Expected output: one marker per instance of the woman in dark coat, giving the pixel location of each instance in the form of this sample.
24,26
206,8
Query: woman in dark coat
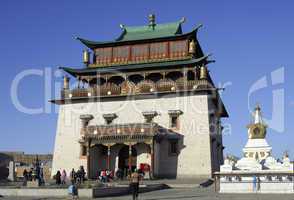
58,178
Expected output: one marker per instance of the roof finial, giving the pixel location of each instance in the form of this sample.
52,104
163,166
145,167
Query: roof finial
183,20
286,155
152,20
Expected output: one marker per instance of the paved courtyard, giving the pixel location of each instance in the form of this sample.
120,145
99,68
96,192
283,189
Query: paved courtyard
185,194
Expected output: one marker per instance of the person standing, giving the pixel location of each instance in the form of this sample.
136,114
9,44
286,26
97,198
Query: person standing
41,176
82,174
30,175
58,177
254,183
63,177
134,184
103,176
25,177
73,176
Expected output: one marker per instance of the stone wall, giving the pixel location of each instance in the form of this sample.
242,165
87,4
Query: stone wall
21,157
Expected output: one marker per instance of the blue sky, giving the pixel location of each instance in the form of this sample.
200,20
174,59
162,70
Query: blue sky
248,39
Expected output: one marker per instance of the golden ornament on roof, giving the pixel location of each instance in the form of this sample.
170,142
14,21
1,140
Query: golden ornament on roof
192,47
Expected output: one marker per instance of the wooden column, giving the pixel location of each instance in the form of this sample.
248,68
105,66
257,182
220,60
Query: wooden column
130,156
88,158
108,159
108,156
185,75
152,159
79,81
195,73
151,145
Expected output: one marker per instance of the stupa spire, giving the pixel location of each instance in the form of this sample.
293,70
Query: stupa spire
257,115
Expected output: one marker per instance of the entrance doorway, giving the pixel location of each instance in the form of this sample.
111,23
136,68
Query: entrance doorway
123,159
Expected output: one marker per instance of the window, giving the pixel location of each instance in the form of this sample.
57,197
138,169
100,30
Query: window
174,118
178,48
140,52
109,117
173,147
149,115
174,122
158,50
103,55
83,150
121,54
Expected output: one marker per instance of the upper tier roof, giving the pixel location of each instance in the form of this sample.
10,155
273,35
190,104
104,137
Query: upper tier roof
148,32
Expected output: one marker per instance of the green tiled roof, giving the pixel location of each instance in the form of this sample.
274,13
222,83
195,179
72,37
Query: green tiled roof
150,32
135,33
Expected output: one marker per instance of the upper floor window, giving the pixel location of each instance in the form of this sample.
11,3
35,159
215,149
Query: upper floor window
174,122
140,52
174,118
178,48
121,54
158,50
103,55
149,115
109,117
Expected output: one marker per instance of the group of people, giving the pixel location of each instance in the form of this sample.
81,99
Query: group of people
134,177
76,177
105,176
33,175
60,178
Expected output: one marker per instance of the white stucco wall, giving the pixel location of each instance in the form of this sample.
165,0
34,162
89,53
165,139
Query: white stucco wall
194,158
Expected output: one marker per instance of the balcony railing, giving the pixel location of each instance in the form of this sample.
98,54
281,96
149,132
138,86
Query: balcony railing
128,88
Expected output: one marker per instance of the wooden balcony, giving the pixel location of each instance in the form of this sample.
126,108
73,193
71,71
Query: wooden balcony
129,88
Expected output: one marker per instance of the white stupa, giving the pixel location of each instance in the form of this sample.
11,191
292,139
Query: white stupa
257,153
256,148
257,170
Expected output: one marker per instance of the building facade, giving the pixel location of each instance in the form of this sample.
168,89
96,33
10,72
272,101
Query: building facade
143,99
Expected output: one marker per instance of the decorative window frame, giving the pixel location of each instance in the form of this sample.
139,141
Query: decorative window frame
149,115
109,117
172,114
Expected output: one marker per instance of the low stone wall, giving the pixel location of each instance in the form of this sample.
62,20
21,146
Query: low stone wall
42,192
247,185
83,192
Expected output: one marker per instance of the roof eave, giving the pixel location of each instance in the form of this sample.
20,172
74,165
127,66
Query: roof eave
139,66
94,44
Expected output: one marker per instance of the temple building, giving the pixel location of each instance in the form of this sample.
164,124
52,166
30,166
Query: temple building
144,99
